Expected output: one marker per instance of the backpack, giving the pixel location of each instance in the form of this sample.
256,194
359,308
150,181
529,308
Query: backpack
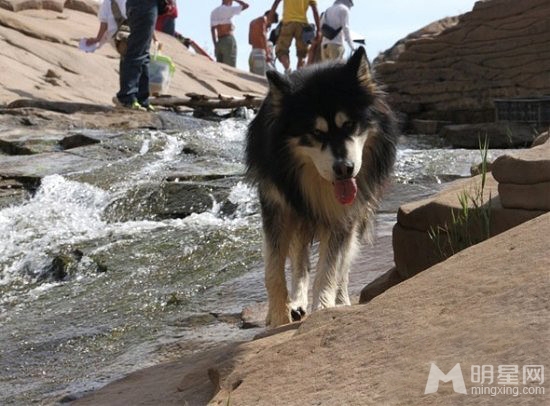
122,33
275,32
329,32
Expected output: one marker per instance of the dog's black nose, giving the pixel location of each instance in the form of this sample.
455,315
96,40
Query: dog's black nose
343,168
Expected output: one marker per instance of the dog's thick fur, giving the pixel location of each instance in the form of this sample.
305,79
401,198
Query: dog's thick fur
319,150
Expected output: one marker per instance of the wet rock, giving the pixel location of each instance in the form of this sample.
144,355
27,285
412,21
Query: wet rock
58,106
143,202
12,192
27,141
57,271
254,316
199,319
45,164
77,140
499,135
182,198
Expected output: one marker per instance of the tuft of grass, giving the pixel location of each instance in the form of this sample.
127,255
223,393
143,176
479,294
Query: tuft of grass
470,224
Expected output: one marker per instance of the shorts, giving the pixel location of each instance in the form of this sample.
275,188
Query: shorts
289,31
226,50
257,61
331,51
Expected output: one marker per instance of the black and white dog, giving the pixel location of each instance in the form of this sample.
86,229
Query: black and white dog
319,151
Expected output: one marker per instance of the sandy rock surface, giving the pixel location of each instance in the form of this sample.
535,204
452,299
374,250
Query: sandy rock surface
484,306
40,59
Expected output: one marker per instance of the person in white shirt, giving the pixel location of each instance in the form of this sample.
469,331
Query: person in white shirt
337,17
221,26
108,21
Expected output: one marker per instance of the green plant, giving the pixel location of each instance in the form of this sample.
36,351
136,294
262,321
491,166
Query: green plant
471,223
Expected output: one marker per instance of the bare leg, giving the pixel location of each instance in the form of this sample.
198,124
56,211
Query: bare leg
285,61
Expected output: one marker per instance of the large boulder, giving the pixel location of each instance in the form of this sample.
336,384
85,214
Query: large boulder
498,50
429,230
524,178
86,6
478,308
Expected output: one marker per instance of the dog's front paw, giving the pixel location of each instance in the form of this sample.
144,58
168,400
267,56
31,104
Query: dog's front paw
278,317
297,314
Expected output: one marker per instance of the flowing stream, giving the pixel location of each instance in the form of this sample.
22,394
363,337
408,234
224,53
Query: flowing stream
101,273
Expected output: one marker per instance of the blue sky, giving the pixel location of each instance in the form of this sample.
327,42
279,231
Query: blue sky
381,22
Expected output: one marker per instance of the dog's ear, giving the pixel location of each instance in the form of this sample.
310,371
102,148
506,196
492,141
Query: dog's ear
279,86
360,66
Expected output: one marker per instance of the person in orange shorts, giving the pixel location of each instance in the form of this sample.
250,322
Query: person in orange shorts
294,27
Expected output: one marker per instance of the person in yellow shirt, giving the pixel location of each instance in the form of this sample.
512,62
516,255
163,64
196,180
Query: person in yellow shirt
296,27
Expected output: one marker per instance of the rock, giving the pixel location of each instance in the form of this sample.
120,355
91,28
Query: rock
20,5
429,127
85,6
77,140
182,198
524,178
38,42
254,316
457,71
61,107
478,168
528,166
380,285
477,308
415,222
541,139
44,164
12,192
27,141
499,135
52,74
428,31
528,197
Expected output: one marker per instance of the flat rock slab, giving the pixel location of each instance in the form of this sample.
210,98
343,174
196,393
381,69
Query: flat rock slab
525,167
27,141
42,165
499,135
485,306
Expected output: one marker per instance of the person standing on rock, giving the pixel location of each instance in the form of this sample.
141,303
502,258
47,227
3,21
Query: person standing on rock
166,22
260,56
134,66
294,23
112,13
221,26
335,28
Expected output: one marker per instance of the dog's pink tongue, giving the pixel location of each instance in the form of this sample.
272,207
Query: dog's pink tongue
345,190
